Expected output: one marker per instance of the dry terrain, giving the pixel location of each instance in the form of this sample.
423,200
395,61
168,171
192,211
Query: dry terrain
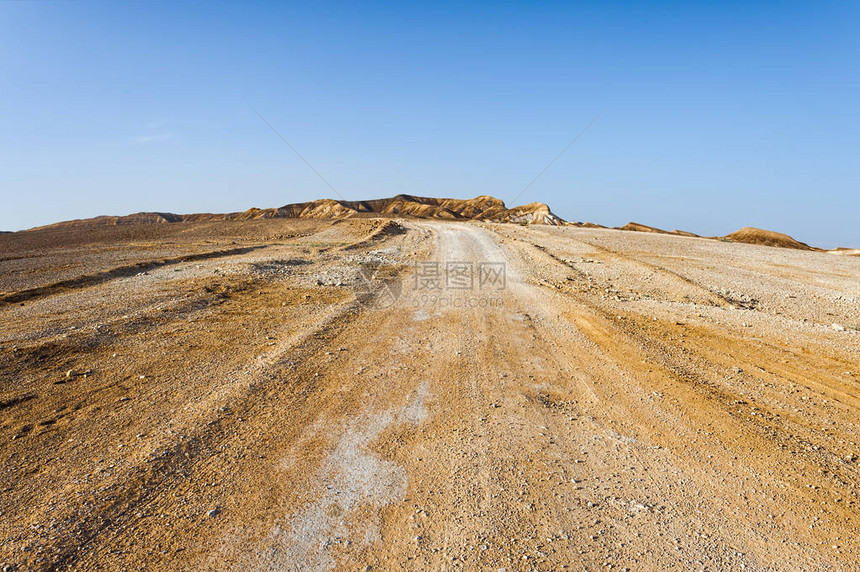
297,394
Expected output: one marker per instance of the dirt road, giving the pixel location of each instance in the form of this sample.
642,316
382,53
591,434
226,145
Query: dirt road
439,396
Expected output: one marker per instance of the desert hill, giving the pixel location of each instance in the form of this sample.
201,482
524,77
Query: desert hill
585,224
635,226
752,235
484,208
747,235
845,251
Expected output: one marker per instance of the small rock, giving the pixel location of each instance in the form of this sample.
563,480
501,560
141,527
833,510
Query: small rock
838,327
214,512
850,457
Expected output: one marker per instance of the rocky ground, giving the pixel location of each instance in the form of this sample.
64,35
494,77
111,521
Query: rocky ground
375,394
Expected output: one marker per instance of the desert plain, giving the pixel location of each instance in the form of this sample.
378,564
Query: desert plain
405,394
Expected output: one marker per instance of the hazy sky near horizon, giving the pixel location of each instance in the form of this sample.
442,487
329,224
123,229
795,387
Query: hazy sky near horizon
718,115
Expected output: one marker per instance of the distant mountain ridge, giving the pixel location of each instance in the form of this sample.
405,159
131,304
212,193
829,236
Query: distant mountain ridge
484,207
747,235
481,208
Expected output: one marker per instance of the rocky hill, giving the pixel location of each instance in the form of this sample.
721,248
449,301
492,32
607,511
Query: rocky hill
484,208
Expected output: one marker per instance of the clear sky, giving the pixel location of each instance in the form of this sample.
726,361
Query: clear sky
717,114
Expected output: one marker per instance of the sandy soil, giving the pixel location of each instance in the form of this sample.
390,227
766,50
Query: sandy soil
292,395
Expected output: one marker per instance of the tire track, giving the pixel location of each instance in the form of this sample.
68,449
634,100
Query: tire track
115,273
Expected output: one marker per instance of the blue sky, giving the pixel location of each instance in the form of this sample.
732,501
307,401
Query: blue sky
717,114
